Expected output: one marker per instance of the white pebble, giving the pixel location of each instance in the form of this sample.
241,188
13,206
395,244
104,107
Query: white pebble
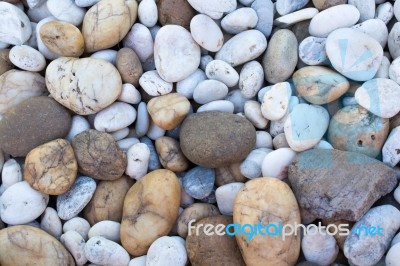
222,71
239,20
115,117
390,154
125,144
153,84
366,8
66,10
393,256
130,94
27,58
102,251
275,103
205,59
15,25
384,12
138,161
138,261
186,87
252,111
212,8
108,55
120,134
251,166
155,131
78,125
206,33
319,247
51,223
106,229
11,173
166,251
220,105
75,244
226,195
210,90
375,28
143,120
251,79
263,140
139,39
276,163
148,13
38,13
238,99
79,225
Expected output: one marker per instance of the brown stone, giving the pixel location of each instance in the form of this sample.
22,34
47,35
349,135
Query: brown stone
5,63
229,174
170,154
178,12
129,66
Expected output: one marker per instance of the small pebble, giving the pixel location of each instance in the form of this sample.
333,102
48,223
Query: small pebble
75,244
11,173
210,90
167,251
199,182
275,102
115,117
319,247
102,251
138,156
106,229
222,71
27,58
206,33
77,224
276,163
153,84
241,19
51,223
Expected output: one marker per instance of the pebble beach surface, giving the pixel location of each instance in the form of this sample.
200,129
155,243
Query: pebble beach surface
131,129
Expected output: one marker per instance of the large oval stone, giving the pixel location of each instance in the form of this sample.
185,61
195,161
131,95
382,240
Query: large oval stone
216,139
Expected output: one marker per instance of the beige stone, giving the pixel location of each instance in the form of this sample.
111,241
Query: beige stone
170,154
129,66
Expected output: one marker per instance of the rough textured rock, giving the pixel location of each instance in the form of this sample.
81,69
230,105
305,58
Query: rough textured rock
31,123
98,155
216,139
333,184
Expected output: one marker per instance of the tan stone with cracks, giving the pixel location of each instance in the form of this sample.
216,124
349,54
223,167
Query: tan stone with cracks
170,154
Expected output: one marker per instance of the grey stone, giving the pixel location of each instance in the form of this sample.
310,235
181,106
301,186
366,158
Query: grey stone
199,182
154,161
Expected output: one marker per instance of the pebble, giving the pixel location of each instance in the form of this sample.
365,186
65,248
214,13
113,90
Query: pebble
67,78
217,106
168,111
324,4
252,111
129,66
22,204
295,17
351,185
263,140
125,144
363,249
66,10
394,70
71,203
312,51
323,144
97,21
280,141
213,9
305,126
106,229
102,251
199,182
210,90
98,155
284,7
250,43
204,60
336,17
5,63
178,12
38,13
75,244
226,195
320,85
155,131
138,261
154,85
251,79
148,13
51,223
206,33
78,125
392,257
375,28
275,103
357,65
77,224
276,163
282,206
143,120
281,57
154,161
319,247
86,3
241,19
384,12
237,99
107,54
265,12
366,8
393,41
115,117
396,9
167,251
222,71
154,199
138,156
353,128
27,58
187,86
170,154
139,39
16,27
41,46
11,173
251,166
130,94
390,149
380,97
176,54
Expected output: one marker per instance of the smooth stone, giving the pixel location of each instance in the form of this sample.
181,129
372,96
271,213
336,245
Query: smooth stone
384,12
284,7
139,39
324,4
11,173
380,97
154,85
265,13
222,71
241,19
275,102
106,229
319,247
280,142
323,144
277,127
252,111
22,128
129,66
86,3
178,12
295,17
187,86
361,55
130,94
154,161
38,13
251,79
213,9
351,181
75,244
176,54
199,182
98,19
336,17
5,63
366,8
115,117
320,85
276,163
155,131
148,13
242,48
51,223
396,238
215,133
364,249
167,251
68,82
120,134
17,86
226,195
217,106
392,257
354,129
74,200
282,207
138,157
52,177
170,154
251,166
79,225
105,252
142,121
391,148
396,9
312,51
393,41
204,60
22,204
281,57
108,55
27,58
98,155
66,10
206,33
32,41
78,125
375,28
41,47
34,3
263,140
125,144
16,27
305,126
210,90
237,99
394,70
